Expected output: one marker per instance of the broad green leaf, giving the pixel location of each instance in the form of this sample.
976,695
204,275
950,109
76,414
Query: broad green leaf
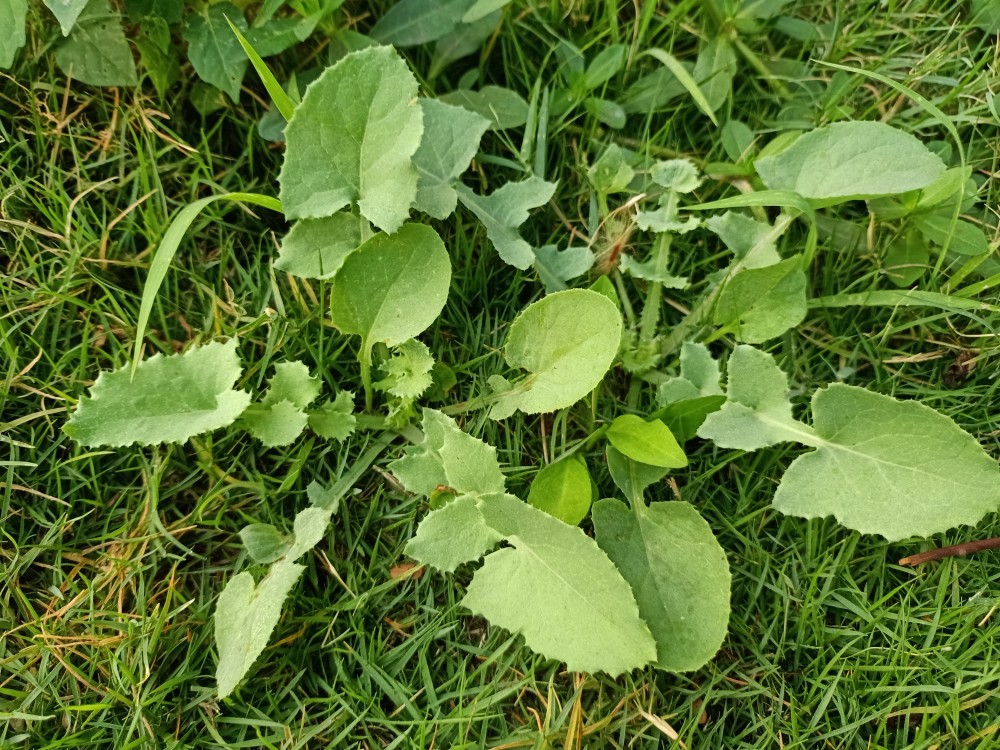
97,53
335,419
714,70
264,543
678,573
292,382
610,113
309,530
986,15
316,248
276,424
604,66
555,267
648,271
158,54
452,535
679,175
170,11
451,138
906,259
463,40
448,457
66,12
965,239
170,399
566,341
758,304
502,107
504,210
275,36
752,242
555,587
699,376
214,51
737,139
683,418
13,16
564,490
654,92
482,8
882,466
408,371
851,160
351,140
649,443
412,22
245,616
391,288
757,413
632,477
610,173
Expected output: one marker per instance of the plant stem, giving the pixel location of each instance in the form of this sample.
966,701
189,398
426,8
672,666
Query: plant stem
365,359
955,550
651,306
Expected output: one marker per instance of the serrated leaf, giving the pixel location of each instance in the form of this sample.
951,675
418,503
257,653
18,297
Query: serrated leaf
245,616
502,107
851,160
264,543
649,443
13,16
563,490
752,242
214,51
66,12
758,304
648,271
555,587
450,140
632,477
351,140
699,376
412,22
316,248
504,210
566,341
679,175
448,457
335,419
292,382
452,535
276,424
678,573
664,219
610,173
170,399
408,371
96,52
555,267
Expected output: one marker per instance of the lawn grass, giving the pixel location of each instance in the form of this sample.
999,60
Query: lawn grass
112,559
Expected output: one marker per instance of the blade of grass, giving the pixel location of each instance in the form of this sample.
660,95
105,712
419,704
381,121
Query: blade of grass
686,80
281,100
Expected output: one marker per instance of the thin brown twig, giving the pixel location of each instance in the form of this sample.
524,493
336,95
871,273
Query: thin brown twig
955,550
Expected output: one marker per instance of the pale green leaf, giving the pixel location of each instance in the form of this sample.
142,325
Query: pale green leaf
610,173
649,443
851,160
632,477
66,12
555,267
699,376
567,342
679,175
555,587
758,304
292,382
276,424
678,573
170,399
752,242
882,466
316,248
412,22
351,140
504,210
664,219
96,52
245,616
452,535
408,372
450,140
214,51
502,107
264,543
563,489
310,528
648,271
335,419
448,457
13,16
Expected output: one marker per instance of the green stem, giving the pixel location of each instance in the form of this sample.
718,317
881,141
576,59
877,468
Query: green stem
651,306
365,359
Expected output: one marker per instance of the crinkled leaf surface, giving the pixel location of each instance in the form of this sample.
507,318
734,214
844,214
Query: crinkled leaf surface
335,419
504,210
450,140
758,304
678,573
13,15
555,267
170,400
412,22
96,52
851,160
563,489
555,587
66,12
408,371
316,248
452,535
566,341
351,140
213,49
649,443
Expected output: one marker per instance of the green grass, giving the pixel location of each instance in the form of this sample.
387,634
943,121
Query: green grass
111,560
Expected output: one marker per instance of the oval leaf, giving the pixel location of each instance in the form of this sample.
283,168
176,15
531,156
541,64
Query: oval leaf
649,443
564,490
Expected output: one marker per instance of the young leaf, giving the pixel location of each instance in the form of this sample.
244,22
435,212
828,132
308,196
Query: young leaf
752,242
555,267
678,573
556,588
714,70
699,376
412,22
906,259
66,12
632,477
851,160
502,107
158,54
610,173
649,443
451,138
277,424
316,248
604,66
264,543
567,341
563,490
448,457
13,16
335,419
648,271
408,371
97,53
679,175
309,530
452,535
170,399
351,140
758,304
215,53
292,382
504,210
245,615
